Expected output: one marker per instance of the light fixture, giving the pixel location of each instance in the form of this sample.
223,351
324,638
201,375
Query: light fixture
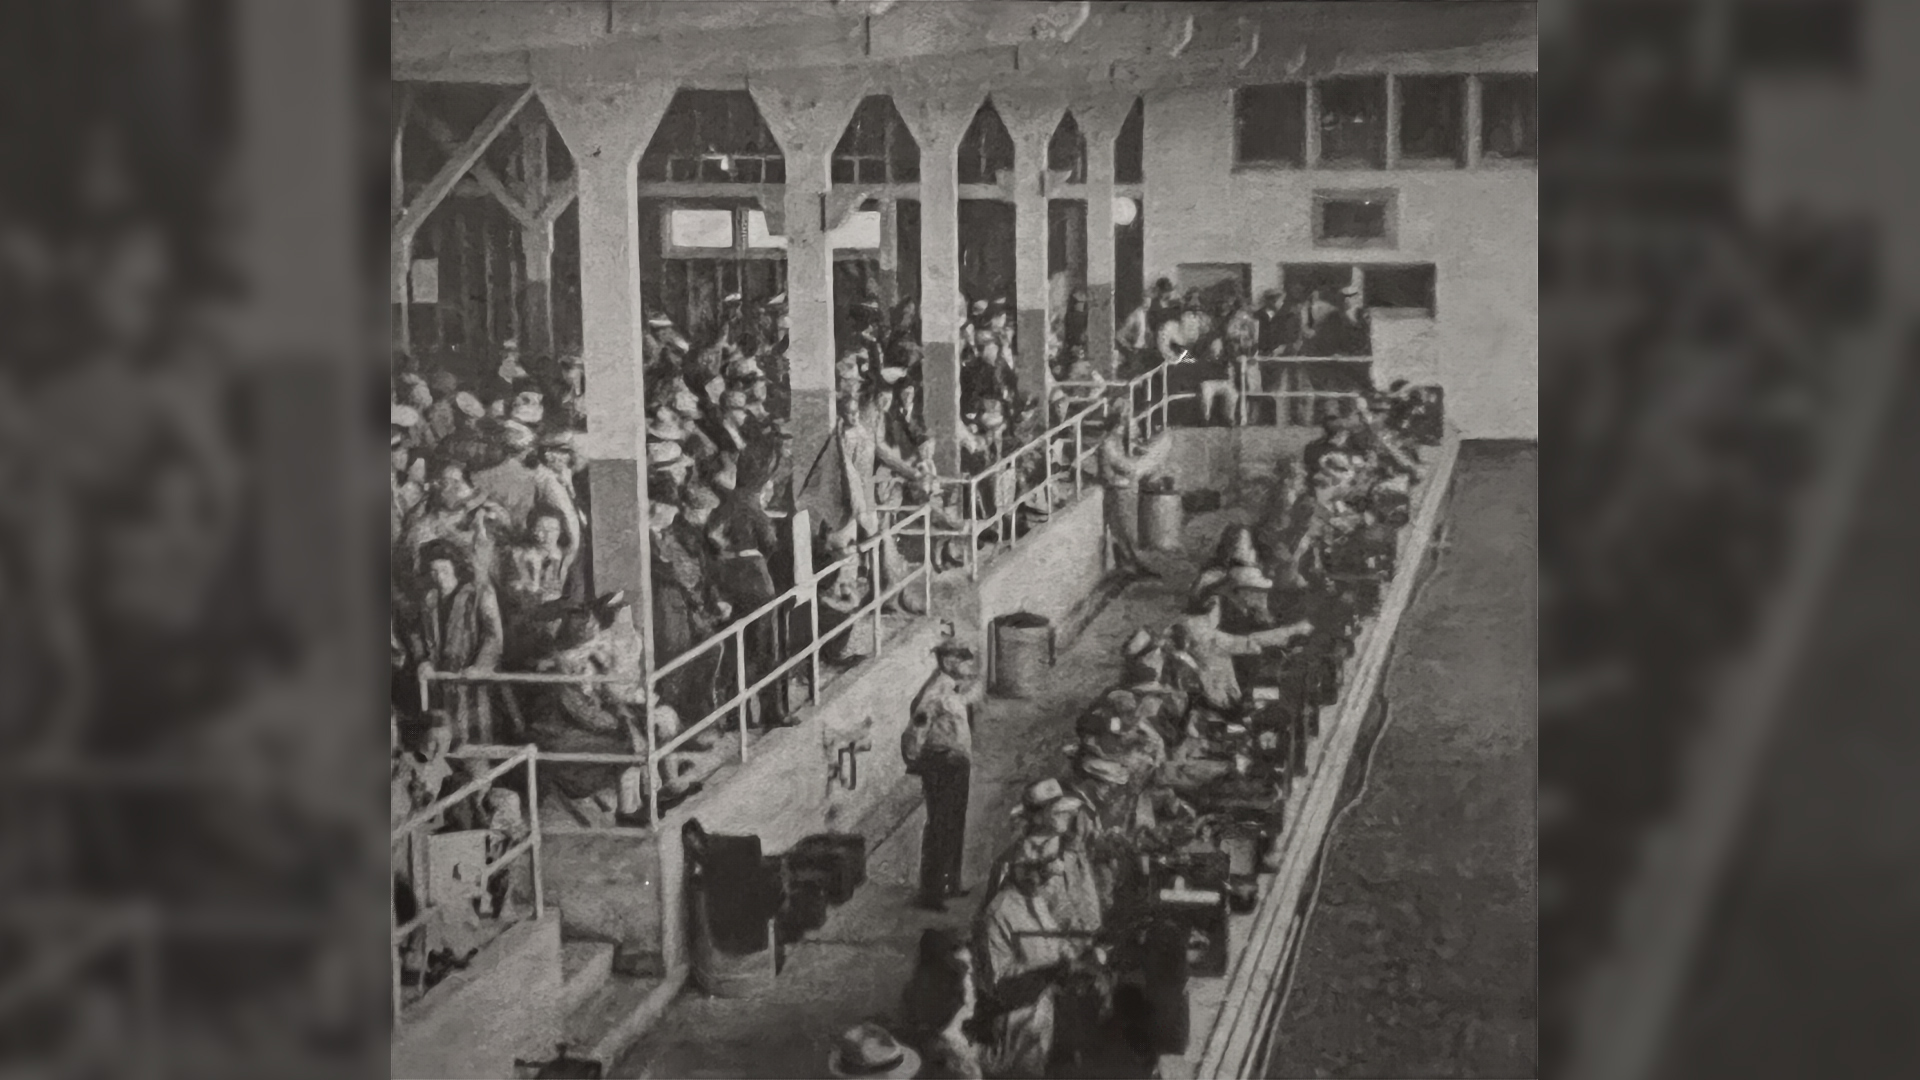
1124,211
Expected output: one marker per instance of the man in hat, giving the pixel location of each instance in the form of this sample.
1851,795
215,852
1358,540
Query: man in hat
1197,635
407,475
662,347
1162,705
1116,469
507,477
732,319
1275,326
455,512
938,747
1048,809
1025,955
553,485
441,416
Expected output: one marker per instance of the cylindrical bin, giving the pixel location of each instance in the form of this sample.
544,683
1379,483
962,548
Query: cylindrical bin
1023,646
1161,520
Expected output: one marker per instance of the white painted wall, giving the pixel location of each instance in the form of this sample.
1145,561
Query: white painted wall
1479,227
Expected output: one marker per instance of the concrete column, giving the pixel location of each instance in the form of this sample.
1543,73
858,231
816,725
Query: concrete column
1393,122
1031,120
807,116
1473,121
606,128
937,123
1100,123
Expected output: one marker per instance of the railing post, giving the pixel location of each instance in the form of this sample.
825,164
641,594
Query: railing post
926,565
973,528
425,690
653,761
1079,422
813,641
740,683
879,590
533,823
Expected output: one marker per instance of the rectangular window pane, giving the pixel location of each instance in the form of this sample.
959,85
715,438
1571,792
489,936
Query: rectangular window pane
1510,117
1353,122
1353,217
701,228
757,234
1271,122
1400,287
860,232
1433,118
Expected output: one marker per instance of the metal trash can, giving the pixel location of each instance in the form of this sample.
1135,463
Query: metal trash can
1161,519
1022,652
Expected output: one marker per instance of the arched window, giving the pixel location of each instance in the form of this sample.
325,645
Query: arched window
713,136
986,149
877,148
1067,151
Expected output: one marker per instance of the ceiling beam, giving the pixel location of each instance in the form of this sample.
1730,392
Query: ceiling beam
1118,45
482,173
459,164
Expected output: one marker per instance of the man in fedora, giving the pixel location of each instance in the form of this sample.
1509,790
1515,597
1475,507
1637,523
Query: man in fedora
1048,809
938,747
1162,705
1117,468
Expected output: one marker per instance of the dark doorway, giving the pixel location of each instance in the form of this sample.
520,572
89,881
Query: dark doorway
986,250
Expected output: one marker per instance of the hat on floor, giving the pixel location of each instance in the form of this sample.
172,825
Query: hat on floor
869,1050
1043,795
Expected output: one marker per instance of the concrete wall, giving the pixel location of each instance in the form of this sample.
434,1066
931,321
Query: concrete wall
1479,227
474,1023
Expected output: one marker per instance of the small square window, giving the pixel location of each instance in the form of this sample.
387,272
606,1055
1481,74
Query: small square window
1353,218
1398,288
701,228
1433,119
1270,124
1510,117
1353,122
860,232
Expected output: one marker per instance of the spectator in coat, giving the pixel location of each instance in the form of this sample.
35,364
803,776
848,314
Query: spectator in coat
458,626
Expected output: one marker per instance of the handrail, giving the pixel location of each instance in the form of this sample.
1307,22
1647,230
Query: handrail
407,831
1148,419
805,592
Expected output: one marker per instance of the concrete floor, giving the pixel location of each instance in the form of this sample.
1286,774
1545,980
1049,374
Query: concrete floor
854,967
1420,958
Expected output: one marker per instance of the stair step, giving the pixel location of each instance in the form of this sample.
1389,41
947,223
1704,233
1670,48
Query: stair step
604,1025
584,969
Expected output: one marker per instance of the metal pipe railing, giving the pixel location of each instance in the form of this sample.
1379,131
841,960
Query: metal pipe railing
869,552
408,832
1147,394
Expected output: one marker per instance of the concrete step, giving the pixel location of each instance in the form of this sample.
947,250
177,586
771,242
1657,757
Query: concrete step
604,1025
584,969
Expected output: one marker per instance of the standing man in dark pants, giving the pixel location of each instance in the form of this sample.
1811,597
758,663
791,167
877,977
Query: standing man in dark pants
1117,471
938,747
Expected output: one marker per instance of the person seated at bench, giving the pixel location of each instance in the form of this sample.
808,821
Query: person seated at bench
1025,955
1161,704
1210,650
1047,809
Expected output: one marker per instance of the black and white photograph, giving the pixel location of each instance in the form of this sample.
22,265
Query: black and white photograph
965,539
